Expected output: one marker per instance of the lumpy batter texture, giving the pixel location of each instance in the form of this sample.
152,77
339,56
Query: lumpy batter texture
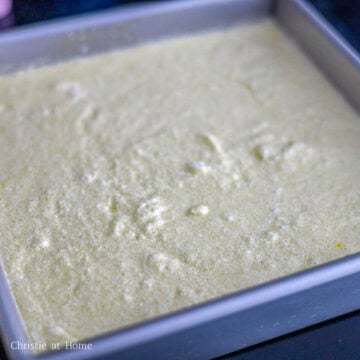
143,181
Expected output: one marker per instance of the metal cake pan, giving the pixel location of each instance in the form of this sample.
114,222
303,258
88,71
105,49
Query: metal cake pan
243,318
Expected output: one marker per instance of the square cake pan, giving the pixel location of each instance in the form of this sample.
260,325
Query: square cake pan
243,318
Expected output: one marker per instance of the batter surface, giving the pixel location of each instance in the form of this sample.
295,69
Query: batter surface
143,181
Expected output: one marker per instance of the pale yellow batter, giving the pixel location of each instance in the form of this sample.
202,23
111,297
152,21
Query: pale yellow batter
143,181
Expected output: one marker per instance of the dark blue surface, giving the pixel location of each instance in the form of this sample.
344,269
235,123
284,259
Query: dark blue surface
30,11
344,15
338,339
